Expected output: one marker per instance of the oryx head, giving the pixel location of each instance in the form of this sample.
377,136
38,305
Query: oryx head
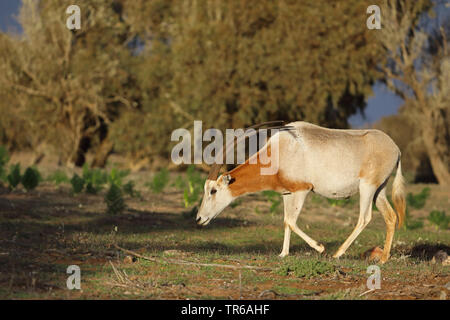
217,194
217,197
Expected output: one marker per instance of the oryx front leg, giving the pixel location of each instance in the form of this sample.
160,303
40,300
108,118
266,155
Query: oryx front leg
293,204
366,194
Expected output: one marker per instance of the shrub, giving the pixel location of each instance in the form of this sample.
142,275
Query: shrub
417,201
128,189
116,176
192,186
14,177
114,200
77,183
439,219
94,179
159,181
31,178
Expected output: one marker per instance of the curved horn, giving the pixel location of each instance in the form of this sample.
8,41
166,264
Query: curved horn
215,168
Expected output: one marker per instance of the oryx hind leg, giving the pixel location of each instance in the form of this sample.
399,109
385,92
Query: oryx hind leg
293,204
390,217
366,194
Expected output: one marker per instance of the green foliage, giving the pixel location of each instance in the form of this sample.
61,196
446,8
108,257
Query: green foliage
417,201
77,183
31,178
439,219
274,198
304,268
192,186
159,181
14,177
114,200
116,176
4,158
128,188
58,177
94,179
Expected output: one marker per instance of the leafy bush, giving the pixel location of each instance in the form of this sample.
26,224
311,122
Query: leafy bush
116,176
192,186
4,158
159,181
114,200
58,177
128,188
417,201
31,178
14,177
77,183
94,179
274,198
439,219
305,268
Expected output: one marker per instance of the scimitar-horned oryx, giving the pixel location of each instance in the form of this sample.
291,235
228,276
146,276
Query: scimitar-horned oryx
330,162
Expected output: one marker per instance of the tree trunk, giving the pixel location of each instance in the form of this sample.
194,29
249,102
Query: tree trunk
102,154
436,137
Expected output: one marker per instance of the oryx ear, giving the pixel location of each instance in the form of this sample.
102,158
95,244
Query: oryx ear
227,179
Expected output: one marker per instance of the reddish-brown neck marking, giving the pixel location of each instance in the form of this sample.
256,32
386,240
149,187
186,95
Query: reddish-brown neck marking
248,178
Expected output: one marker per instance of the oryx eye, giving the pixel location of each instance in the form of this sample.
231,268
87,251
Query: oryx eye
213,191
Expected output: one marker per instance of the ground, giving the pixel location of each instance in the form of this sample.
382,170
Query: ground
44,231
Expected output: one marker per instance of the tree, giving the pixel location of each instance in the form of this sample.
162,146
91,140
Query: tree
418,70
235,63
66,87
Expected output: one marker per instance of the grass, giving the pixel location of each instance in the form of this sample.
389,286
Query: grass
46,233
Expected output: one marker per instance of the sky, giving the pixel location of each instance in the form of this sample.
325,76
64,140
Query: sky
381,103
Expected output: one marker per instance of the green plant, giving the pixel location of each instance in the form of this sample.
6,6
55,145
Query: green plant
159,181
77,183
305,268
31,178
116,176
128,188
4,158
114,200
439,219
193,187
58,177
94,179
274,198
417,201
190,195
14,177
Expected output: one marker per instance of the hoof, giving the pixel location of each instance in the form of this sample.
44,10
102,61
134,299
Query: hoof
322,249
282,255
